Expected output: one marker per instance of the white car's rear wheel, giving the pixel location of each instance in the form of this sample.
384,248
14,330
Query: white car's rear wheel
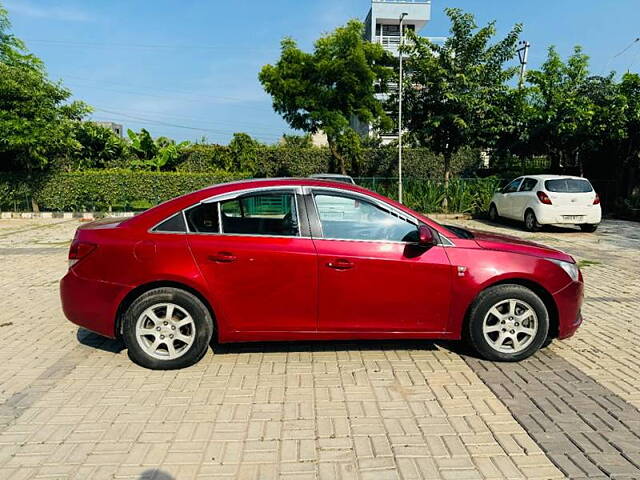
530,221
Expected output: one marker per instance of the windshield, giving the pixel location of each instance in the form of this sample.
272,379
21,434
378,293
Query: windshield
568,185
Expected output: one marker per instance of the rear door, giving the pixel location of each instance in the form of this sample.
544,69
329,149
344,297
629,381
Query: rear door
522,198
258,259
372,276
504,201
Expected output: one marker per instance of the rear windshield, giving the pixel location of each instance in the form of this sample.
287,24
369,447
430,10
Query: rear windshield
568,185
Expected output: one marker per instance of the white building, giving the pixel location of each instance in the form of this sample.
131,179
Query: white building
383,26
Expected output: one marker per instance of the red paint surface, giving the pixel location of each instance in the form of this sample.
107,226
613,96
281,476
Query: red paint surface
279,288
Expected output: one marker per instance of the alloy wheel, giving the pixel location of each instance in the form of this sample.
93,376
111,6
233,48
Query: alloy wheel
165,331
510,326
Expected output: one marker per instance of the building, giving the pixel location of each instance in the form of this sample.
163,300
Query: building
383,26
116,128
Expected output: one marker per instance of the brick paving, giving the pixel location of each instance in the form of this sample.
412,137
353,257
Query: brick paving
72,405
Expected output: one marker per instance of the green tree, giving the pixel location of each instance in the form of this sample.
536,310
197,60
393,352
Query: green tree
36,119
325,90
98,146
562,113
456,91
153,154
244,152
297,141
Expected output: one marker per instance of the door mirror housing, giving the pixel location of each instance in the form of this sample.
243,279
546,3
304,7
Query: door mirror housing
425,236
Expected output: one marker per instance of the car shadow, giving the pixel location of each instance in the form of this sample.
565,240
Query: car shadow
514,224
313,346
155,474
93,340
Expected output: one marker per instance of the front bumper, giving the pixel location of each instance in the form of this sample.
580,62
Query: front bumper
569,302
91,304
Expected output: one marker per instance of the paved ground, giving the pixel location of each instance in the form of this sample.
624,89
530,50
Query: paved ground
72,405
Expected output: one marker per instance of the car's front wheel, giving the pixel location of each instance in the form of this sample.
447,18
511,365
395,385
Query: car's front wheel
507,323
167,329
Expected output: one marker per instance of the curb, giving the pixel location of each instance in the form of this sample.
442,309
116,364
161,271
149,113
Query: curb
65,215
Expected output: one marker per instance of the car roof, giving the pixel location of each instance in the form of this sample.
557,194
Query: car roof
328,175
552,177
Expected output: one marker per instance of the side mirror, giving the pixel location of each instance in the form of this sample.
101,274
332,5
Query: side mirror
425,236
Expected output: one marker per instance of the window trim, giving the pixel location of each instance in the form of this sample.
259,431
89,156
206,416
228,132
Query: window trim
218,199
520,179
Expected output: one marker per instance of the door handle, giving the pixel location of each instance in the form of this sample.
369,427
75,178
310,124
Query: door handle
340,264
223,257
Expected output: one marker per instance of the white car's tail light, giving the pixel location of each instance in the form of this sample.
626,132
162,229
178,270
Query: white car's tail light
596,201
79,250
544,198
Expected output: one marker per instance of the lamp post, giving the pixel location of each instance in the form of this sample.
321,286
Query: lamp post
400,84
523,56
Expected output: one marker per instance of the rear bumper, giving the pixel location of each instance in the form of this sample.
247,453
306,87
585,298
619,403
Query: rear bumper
569,302
554,215
91,304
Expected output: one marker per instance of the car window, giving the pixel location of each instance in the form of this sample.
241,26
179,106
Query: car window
346,218
513,186
174,224
568,185
528,184
261,214
203,218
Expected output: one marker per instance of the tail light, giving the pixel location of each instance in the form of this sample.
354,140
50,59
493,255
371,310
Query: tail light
79,250
544,198
596,201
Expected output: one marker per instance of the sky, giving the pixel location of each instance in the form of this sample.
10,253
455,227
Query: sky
189,69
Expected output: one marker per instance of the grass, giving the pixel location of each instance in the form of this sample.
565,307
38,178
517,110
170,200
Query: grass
587,263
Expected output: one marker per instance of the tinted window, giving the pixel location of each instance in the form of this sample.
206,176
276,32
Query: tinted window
528,184
203,218
264,214
174,224
512,187
568,185
346,218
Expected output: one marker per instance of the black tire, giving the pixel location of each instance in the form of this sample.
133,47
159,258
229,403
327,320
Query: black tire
202,324
473,333
530,221
588,228
494,216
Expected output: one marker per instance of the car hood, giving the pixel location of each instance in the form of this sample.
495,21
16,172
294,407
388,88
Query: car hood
508,243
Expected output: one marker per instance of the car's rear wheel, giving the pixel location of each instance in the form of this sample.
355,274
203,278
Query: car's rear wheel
507,323
493,213
167,328
588,228
531,222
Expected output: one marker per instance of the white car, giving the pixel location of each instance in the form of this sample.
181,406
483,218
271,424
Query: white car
548,200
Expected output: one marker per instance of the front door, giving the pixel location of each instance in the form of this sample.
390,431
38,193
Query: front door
261,272
505,201
372,277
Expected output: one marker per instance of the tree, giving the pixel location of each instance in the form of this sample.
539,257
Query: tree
98,146
562,117
36,119
297,141
155,155
244,152
325,90
455,92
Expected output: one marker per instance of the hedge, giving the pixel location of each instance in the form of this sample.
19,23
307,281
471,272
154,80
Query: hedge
101,190
107,190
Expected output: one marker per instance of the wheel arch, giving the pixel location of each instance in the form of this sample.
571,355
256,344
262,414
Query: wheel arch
536,288
139,290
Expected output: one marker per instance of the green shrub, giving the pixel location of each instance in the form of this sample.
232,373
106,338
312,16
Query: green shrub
102,190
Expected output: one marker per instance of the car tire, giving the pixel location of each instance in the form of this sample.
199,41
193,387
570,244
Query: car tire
530,221
588,228
525,327
494,216
167,329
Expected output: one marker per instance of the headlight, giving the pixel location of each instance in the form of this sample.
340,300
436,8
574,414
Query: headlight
571,268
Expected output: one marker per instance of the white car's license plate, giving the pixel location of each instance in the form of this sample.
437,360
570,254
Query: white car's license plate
573,217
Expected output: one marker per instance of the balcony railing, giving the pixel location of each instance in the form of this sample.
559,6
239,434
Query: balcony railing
401,1
392,41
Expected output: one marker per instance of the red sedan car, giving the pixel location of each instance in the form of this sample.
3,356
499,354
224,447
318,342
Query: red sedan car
296,259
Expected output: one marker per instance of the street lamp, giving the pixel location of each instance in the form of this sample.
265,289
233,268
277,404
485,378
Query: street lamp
400,84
